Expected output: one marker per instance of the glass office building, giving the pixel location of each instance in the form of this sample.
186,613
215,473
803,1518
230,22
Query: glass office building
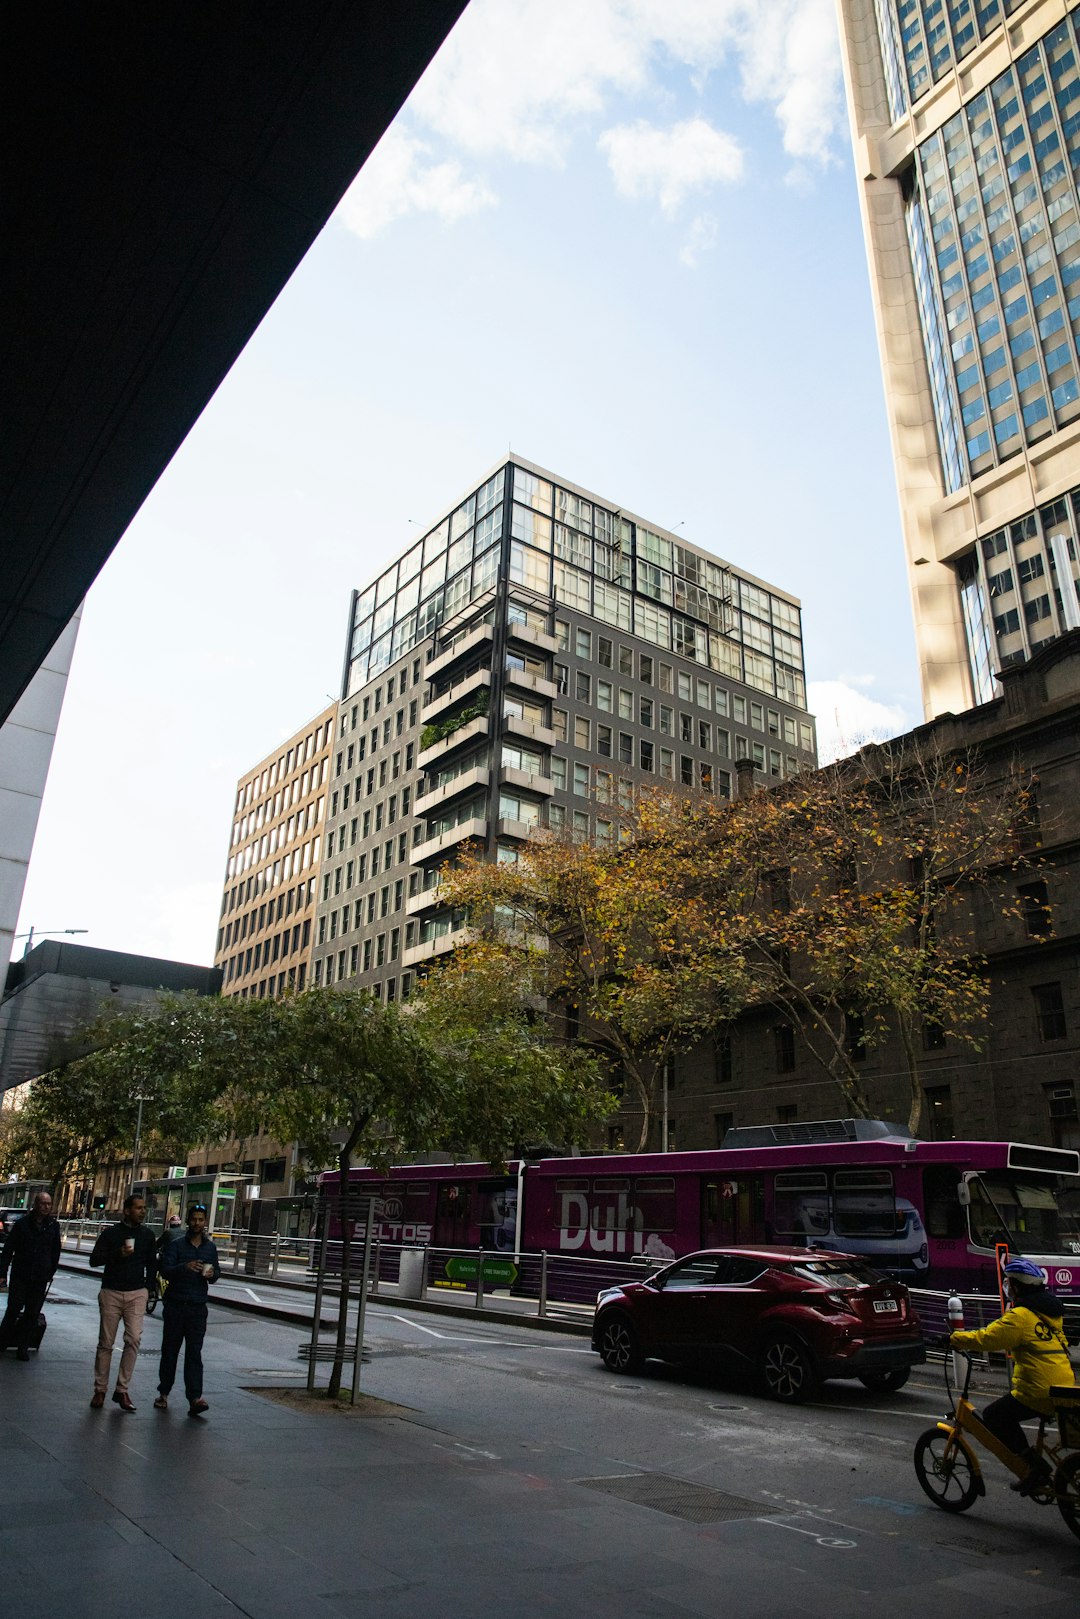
530,662
966,119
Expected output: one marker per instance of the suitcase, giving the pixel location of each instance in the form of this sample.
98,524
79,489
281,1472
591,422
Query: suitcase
34,1340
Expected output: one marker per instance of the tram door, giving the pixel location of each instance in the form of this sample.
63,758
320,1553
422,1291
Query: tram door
732,1211
452,1215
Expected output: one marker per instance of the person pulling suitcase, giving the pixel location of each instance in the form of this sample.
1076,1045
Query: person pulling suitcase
31,1253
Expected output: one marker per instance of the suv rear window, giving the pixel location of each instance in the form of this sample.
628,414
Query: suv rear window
836,1272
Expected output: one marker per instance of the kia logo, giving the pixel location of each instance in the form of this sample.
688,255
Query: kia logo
1063,1277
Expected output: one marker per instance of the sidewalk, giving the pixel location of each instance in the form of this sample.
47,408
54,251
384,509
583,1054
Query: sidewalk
257,1510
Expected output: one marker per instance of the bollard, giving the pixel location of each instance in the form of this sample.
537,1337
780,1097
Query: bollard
480,1278
956,1324
275,1252
375,1270
542,1306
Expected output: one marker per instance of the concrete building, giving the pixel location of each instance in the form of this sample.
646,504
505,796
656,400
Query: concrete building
266,931
1022,1085
966,128
526,664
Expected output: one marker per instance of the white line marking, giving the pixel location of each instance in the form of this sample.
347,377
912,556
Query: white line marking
823,1540
254,1295
405,1321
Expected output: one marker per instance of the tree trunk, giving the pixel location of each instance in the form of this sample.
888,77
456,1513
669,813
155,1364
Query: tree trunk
344,1167
916,1110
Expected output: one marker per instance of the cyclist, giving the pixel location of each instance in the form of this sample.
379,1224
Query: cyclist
1032,1331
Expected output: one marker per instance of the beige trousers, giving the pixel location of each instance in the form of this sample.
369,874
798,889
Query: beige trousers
116,1307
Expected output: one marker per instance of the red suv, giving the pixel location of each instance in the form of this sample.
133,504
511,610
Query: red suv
792,1316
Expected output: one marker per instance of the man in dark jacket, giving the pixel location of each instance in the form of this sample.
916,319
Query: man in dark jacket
129,1254
189,1264
32,1251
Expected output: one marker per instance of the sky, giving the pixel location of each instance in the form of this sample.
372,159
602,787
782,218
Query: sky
620,237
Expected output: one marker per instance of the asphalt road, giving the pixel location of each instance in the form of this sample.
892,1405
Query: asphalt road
824,1495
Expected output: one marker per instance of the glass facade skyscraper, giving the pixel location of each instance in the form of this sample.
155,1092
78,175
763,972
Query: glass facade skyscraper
966,121
530,662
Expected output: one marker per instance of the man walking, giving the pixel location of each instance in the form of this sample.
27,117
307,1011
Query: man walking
189,1264
128,1253
32,1251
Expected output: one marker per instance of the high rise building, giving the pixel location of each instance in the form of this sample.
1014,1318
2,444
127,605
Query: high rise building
266,926
965,119
266,930
529,662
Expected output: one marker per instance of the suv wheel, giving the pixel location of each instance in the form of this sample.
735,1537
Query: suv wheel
620,1350
787,1371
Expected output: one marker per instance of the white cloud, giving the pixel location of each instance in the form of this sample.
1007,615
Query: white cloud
396,181
701,237
518,80
666,165
847,718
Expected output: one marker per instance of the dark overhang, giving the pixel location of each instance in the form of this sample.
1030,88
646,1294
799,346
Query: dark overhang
58,989
167,163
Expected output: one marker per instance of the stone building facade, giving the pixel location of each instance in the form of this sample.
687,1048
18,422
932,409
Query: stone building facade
1023,1084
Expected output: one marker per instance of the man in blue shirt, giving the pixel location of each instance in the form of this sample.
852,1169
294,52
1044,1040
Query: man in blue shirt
189,1264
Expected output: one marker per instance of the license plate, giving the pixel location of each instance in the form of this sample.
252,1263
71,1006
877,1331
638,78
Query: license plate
885,1306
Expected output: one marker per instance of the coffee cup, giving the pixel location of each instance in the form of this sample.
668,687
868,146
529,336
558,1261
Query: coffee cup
129,1247
208,1271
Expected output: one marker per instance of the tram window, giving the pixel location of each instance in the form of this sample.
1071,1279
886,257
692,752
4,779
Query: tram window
801,1204
609,1206
863,1203
654,1202
943,1213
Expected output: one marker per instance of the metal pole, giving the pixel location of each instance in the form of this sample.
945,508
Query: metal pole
138,1140
542,1307
361,1308
375,1269
479,1278
319,1280
664,1118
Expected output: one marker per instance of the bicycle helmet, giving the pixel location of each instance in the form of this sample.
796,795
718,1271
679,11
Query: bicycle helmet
1025,1272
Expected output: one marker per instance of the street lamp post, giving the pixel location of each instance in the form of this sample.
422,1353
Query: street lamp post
43,933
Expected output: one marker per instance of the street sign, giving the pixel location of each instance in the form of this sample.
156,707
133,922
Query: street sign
497,1272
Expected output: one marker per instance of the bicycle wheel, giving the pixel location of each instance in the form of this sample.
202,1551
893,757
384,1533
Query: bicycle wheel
951,1482
1067,1489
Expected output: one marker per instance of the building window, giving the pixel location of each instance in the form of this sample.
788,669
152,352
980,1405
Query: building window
1049,1011
1061,1105
784,1040
939,1113
1035,910
722,1123
855,1036
725,1066
933,1036
787,1113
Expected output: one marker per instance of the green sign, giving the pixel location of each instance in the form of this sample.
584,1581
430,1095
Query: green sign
497,1272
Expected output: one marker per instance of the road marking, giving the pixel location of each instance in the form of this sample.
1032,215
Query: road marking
494,1343
254,1295
829,1541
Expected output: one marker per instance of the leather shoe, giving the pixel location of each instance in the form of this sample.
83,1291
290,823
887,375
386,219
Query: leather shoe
123,1400
96,1401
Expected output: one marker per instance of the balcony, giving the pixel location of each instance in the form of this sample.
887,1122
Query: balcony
462,644
447,745
525,680
511,776
467,685
426,900
529,731
526,635
522,830
468,781
476,828
437,947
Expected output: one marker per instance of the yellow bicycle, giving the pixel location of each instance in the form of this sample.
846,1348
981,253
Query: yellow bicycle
947,1466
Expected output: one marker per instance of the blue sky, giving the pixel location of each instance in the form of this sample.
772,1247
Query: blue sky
620,236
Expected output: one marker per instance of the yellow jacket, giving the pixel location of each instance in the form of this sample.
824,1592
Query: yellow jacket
1039,1347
